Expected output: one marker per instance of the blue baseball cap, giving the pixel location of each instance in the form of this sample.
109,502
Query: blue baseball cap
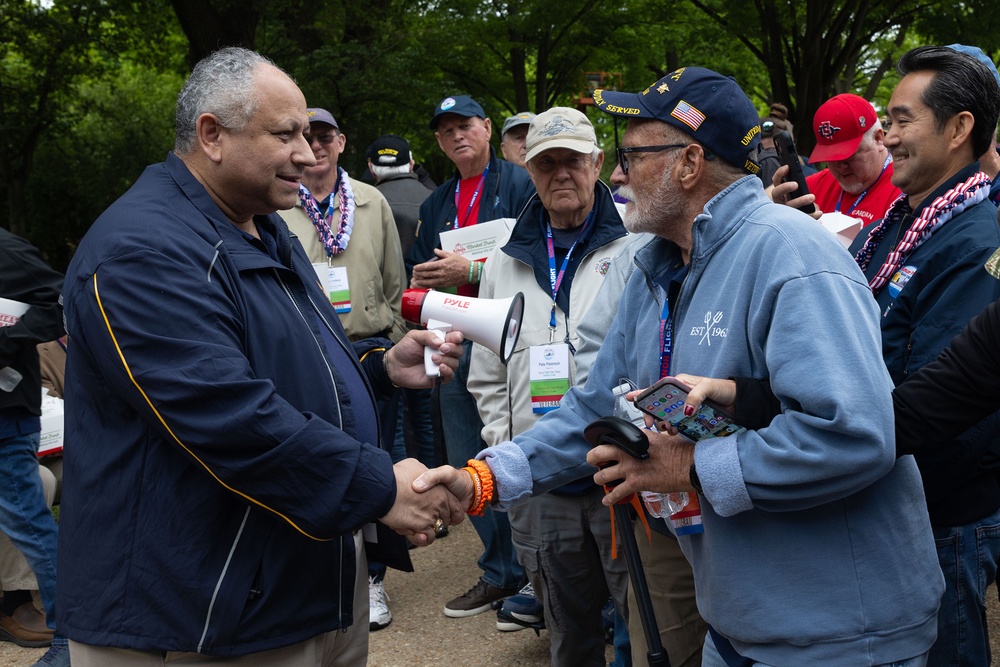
710,107
317,115
460,105
978,54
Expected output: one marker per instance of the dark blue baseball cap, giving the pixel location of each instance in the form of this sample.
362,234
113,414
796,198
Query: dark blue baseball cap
460,105
710,107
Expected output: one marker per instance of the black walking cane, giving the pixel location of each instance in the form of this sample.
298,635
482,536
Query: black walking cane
629,438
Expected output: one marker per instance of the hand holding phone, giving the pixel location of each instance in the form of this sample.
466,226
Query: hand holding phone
785,148
664,401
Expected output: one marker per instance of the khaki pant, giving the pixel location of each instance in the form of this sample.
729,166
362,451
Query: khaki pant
337,648
15,575
671,590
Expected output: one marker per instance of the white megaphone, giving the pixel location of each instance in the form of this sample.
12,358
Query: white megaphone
494,323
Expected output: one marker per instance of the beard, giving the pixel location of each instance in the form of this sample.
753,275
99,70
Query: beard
651,212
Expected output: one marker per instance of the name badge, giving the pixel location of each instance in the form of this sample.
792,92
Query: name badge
334,281
549,376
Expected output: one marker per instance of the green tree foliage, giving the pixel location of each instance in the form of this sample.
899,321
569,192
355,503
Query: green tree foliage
815,49
112,128
47,51
87,88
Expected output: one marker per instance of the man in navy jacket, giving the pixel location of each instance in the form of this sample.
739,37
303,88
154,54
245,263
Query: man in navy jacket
223,455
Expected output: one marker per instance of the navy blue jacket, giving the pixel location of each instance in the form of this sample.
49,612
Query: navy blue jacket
222,442
946,284
507,189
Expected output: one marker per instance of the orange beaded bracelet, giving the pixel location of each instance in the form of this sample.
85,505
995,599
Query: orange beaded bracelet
477,486
482,478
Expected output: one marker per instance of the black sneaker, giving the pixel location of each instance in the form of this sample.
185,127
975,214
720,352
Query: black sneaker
476,600
508,623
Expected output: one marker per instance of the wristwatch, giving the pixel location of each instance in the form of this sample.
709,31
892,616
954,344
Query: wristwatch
695,482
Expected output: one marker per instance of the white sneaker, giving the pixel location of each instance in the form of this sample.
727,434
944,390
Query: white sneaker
379,615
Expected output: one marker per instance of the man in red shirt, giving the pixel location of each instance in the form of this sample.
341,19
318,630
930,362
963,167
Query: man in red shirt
857,181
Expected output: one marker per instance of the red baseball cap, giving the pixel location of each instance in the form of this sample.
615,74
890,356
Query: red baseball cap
839,124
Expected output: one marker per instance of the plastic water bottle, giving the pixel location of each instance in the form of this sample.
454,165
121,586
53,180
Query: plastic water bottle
9,378
659,505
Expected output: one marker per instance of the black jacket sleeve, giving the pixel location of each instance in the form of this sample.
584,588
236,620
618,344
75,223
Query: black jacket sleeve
26,278
954,392
756,406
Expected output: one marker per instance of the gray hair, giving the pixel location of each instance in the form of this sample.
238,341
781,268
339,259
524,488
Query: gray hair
222,85
381,171
868,138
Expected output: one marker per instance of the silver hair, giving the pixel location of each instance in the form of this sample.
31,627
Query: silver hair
381,171
222,85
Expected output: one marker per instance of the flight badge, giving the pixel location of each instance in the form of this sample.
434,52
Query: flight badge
899,280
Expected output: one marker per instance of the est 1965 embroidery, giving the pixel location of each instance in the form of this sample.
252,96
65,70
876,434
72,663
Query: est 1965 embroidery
710,330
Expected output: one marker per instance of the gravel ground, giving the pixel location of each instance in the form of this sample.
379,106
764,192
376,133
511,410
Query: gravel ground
420,635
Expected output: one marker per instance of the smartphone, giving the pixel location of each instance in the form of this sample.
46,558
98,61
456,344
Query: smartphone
664,401
785,148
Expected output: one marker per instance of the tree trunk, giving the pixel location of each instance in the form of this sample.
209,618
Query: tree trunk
210,25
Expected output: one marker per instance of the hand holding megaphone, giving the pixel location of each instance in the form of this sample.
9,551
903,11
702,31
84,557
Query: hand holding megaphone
406,361
493,323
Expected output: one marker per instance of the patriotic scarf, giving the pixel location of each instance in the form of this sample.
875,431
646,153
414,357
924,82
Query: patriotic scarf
335,242
932,218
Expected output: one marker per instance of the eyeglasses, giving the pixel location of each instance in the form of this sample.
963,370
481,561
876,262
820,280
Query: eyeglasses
623,153
324,139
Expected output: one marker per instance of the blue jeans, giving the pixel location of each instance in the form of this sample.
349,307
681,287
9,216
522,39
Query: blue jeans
414,428
710,658
462,440
623,646
968,555
25,517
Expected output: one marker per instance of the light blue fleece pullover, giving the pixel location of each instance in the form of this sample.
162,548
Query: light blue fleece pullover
817,548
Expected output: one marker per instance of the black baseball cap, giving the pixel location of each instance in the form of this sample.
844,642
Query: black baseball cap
389,150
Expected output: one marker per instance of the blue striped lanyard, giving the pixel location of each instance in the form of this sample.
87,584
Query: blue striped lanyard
555,279
666,338
472,202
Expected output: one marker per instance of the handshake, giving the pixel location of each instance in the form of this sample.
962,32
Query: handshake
423,496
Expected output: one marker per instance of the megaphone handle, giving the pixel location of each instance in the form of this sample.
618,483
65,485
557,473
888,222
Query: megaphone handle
439,329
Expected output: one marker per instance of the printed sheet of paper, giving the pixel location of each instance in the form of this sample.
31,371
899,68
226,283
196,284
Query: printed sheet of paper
476,241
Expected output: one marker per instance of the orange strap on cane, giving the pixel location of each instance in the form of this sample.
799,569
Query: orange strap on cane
633,500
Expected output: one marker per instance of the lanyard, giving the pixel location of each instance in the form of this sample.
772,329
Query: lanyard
472,202
885,165
666,338
667,321
555,279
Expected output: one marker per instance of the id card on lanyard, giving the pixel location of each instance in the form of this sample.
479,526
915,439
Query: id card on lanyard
549,376
334,282
550,363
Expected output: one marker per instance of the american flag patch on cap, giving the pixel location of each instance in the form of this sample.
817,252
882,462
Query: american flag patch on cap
688,115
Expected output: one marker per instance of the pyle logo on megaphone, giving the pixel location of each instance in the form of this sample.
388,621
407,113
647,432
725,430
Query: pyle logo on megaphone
493,323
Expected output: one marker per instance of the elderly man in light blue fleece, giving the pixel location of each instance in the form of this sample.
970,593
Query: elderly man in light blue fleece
816,548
